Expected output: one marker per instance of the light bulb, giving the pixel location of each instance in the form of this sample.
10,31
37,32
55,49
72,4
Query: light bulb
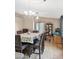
25,12
37,17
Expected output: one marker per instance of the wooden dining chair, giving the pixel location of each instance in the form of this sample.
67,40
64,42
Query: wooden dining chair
22,47
19,32
39,45
18,45
25,30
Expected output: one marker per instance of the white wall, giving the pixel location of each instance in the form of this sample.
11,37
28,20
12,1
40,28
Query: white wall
54,21
18,23
27,22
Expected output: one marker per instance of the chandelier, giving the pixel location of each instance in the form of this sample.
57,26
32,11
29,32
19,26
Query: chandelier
30,12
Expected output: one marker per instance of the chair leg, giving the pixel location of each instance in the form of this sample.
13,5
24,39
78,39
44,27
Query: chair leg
39,53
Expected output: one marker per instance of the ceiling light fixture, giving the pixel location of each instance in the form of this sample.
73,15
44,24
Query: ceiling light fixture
25,12
37,17
29,12
44,0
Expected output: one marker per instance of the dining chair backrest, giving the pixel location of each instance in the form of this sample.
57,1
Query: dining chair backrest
25,30
42,37
19,32
17,40
42,42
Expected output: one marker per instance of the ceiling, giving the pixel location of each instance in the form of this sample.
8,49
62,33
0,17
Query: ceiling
49,8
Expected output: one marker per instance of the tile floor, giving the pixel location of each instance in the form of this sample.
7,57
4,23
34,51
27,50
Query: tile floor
50,52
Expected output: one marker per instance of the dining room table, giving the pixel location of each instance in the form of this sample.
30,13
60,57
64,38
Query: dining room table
29,37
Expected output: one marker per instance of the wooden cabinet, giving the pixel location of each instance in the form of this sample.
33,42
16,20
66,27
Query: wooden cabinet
49,31
58,42
49,28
